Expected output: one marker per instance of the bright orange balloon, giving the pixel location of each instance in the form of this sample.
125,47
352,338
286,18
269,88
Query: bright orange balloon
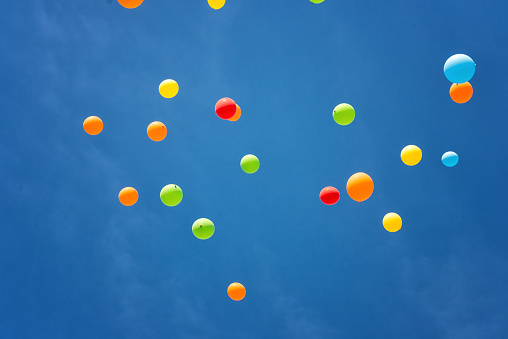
157,131
237,115
461,93
93,125
128,196
130,3
360,187
236,291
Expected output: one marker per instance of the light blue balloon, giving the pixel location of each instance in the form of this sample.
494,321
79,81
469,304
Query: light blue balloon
459,68
450,159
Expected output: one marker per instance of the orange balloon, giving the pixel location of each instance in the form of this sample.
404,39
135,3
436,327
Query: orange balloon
93,125
237,115
461,93
360,187
157,131
236,291
130,3
128,196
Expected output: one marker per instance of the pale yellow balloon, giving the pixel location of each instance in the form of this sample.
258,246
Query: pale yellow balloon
168,88
411,155
216,4
392,222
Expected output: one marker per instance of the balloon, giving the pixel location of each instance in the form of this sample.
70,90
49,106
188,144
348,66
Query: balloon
392,222
360,187
216,4
171,195
130,3
156,131
203,228
93,125
450,159
411,155
168,88
344,114
461,93
238,114
249,164
316,1
236,291
225,108
128,196
329,195
459,68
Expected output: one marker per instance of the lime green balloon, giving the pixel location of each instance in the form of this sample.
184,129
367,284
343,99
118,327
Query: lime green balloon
171,195
316,1
344,114
250,164
203,228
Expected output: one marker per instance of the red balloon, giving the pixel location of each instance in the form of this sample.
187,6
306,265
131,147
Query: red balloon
329,195
225,108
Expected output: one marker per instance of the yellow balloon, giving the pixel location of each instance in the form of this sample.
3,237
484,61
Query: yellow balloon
392,222
216,4
168,88
411,155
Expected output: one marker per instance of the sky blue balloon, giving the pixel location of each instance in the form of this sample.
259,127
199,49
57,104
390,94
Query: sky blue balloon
450,159
459,68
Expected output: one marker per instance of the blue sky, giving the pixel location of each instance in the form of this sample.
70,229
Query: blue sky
75,263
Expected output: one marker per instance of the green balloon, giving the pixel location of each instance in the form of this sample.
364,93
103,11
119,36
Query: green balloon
344,114
250,164
316,1
203,228
171,195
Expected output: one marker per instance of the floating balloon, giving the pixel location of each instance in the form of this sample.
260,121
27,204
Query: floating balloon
249,164
461,93
238,114
130,3
392,222
459,68
316,1
450,159
360,187
203,228
411,155
171,195
93,125
216,4
156,131
168,88
128,196
329,195
225,108
236,291
344,114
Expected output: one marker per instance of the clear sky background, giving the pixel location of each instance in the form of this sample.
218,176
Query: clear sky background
75,263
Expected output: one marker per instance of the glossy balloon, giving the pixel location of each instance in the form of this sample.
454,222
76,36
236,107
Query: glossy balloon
450,159
130,3
250,164
411,155
216,4
171,195
236,291
93,125
344,114
360,186
168,88
203,228
237,115
225,108
329,195
459,68
461,93
316,1
157,131
392,222
128,196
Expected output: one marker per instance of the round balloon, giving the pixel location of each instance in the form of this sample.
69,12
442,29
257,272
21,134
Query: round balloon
93,125
344,114
360,186
203,228
171,195
329,195
236,291
316,1
461,93
128,196
411,155
237,115
392,222
169,88
216,4
250,164
225,108
130,3
459,68
450,159
156,131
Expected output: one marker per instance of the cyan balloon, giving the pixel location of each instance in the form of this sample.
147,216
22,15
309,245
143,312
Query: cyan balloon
450,159
459,68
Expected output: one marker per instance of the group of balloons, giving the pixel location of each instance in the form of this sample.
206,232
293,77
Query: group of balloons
459,69
215,4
